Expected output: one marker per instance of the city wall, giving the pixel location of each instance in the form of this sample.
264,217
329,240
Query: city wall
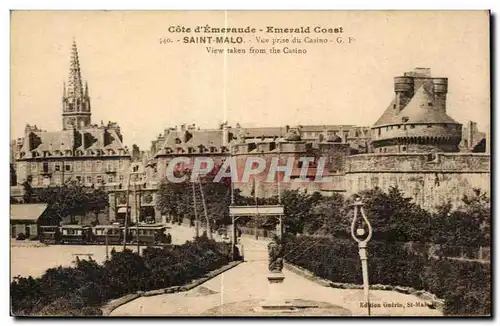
431,179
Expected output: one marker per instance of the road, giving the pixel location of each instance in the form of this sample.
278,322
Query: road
248,282
31,258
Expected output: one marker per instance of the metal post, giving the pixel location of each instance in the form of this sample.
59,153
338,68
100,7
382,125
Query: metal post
126,213
209,230
107,248
136,218
197,224
234,236
281,227
362,244
364,268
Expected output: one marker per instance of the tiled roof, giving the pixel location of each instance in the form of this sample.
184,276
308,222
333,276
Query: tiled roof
194,138
69,140
264,132
420,109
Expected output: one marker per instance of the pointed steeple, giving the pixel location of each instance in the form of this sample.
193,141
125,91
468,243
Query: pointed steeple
75,77
76,101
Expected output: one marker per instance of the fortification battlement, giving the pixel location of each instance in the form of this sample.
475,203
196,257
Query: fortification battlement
419,162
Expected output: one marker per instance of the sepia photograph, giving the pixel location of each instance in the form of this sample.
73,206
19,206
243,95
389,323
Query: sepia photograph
250,163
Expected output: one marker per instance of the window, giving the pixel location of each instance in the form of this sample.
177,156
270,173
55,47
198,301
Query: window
78,178
379,130
412,126
111,178
57,179
89,179
403,149
120,165
67,167
45,167
98,165
110,166
57,167
33,167
34,181
121,178
78,166
99,179
88,165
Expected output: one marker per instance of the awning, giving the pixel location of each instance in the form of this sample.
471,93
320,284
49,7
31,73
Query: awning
23,212
122,209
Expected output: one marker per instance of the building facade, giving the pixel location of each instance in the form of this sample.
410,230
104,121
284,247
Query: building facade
418,148
415,145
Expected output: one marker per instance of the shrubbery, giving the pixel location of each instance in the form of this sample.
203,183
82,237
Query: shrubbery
81,290
465,286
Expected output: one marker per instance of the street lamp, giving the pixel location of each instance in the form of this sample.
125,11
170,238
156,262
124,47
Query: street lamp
362,234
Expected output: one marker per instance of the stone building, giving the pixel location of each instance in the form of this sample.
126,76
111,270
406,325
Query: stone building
416,147
90,154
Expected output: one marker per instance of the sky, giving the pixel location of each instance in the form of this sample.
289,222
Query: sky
147,86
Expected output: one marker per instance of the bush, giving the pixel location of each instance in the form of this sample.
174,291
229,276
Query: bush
465,286
81,290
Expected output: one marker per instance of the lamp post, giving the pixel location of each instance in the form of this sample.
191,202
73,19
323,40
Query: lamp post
361,236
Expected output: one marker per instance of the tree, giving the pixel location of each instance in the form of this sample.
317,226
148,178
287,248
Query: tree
330,215
72,199
298,205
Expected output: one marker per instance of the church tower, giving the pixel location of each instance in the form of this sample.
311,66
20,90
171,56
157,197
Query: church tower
75,100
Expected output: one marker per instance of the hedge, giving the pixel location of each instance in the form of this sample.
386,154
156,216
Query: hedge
81,290
465,286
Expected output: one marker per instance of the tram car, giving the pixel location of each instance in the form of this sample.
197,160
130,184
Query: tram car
50,234
75,234
110,234
147,234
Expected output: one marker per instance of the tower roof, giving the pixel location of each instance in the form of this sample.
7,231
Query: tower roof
420,109
74,87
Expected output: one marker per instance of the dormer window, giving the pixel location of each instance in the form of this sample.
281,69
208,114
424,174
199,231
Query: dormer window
178,140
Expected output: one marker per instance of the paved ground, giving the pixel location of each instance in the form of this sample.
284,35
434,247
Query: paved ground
247,282
31,258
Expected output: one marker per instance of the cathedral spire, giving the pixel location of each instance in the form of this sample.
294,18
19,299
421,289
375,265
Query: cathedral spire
76,101
75,77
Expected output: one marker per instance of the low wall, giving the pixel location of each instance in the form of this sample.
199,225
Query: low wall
115,303
430,299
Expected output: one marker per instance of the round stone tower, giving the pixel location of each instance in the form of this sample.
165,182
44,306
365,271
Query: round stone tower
416,120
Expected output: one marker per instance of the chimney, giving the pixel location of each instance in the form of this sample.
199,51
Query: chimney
470,134
82,133
225,135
